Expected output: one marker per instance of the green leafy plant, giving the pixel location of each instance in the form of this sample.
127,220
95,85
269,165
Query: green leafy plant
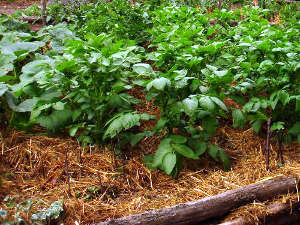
78,76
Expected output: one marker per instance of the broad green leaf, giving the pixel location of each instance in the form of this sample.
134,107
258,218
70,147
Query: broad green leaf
284,97
55,120
159,83
59,106
169,162
239,118
123,121
207,103
295,129
213,151
221,73
248,106
6,64
73,130
190,105
7,78
225,159
36,66
256,125
76,114
163,148
256,107
161,123
219,103
142,69
177,139
146,116
185,151
265,66
199,146
210,124
19,48
134,139
3,89
212,68
298,138
25,106
277,126
297,104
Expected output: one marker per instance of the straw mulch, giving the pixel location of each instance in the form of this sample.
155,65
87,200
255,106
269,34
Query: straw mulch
34,167
105,185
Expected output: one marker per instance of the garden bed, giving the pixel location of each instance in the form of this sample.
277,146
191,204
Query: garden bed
95,81
104,186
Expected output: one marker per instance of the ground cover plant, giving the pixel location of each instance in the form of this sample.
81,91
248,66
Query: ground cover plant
202,67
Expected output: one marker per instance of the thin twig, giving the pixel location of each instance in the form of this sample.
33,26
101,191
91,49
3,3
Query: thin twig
279,152
267,151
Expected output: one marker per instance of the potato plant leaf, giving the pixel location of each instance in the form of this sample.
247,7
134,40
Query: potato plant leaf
177,139
207,103
198,146
163,148
295,129
142,69
124,121
185,151
239,118
55,120
169,162
190,105
3,88
159,83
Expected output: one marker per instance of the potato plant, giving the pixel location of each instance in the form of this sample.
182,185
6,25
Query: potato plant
77,76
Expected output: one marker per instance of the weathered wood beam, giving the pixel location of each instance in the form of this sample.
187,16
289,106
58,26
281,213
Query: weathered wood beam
210,207
277,214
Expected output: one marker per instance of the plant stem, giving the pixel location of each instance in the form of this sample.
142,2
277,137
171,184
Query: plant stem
220,4
279,152
11,119
44,16
267,151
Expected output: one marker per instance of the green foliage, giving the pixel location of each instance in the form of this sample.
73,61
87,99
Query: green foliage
48,215
77,76
117,18
123,121
52,213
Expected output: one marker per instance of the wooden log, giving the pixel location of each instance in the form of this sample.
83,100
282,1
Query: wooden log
210,207
277,214
237,221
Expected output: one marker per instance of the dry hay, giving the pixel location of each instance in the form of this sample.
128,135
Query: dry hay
34,166
36,169
256,212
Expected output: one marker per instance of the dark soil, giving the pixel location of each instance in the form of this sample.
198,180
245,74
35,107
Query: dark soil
10,6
